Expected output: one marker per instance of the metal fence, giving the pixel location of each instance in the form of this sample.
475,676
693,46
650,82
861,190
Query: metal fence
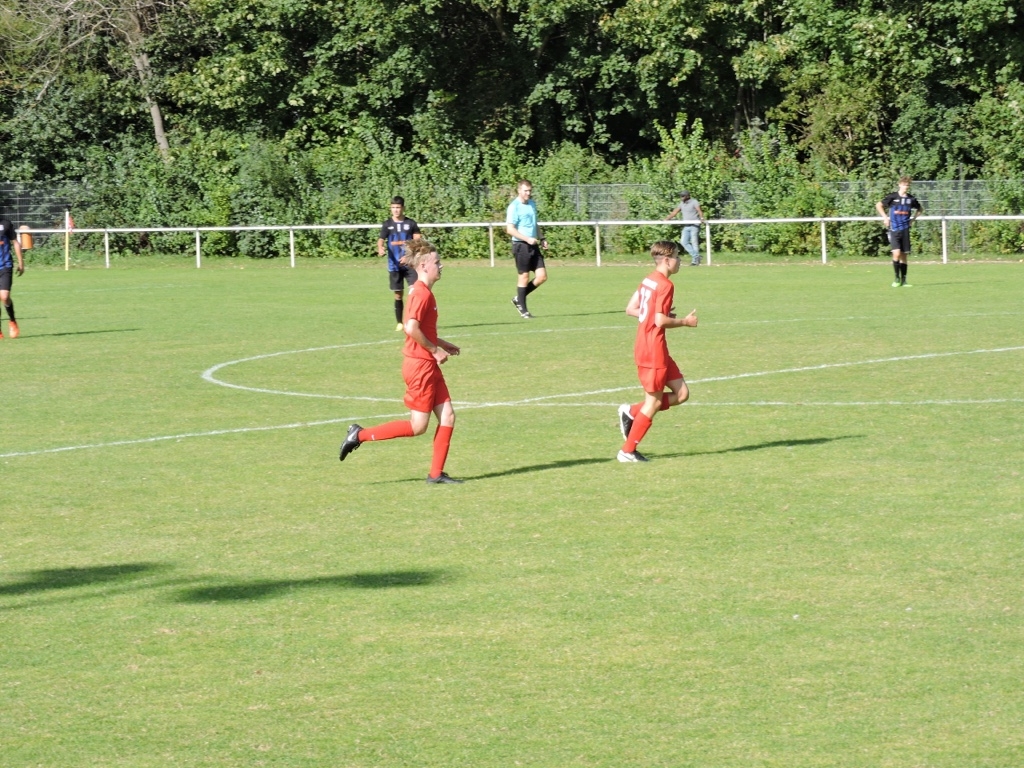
822,223
36,205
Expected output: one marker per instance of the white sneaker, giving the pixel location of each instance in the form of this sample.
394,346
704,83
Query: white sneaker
630,458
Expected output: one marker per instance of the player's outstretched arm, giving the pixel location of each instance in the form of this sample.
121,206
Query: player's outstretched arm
671,321
414,332
633,308
448,347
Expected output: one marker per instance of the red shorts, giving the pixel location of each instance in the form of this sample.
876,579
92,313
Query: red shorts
655,379
424,384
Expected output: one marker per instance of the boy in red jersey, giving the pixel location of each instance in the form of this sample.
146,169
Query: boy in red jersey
652,306
424,352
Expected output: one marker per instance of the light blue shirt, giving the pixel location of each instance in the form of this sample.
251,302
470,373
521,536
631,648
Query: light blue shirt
522,216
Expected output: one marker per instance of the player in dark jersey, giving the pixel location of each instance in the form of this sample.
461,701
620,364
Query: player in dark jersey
9,242
394,234
898,210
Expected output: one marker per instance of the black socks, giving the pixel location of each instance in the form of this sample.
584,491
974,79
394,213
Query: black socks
399,309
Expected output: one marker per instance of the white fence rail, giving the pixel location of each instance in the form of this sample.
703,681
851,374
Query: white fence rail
67,232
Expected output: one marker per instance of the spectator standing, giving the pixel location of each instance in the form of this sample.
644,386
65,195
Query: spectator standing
692,217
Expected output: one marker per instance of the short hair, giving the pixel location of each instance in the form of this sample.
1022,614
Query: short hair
396,200
665,249
524,183
905,180
416,252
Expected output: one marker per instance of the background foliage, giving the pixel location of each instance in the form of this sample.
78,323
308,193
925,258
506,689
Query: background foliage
306,111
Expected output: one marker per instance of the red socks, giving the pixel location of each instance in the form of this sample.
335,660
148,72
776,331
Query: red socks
387,431
641,424
442,440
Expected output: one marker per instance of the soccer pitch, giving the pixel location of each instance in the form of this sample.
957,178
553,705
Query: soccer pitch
818,567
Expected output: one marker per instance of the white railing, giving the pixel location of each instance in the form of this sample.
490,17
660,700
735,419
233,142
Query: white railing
67,232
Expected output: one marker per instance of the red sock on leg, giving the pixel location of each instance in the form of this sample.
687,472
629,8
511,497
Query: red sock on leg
665,405
388,431
634,409
641,424
442,441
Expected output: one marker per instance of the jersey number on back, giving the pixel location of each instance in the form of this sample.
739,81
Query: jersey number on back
645,302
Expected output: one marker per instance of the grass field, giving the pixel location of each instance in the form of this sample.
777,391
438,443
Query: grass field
819,566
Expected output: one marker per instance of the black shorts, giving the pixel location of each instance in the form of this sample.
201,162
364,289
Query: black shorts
403,273
6,275
899,241
528,257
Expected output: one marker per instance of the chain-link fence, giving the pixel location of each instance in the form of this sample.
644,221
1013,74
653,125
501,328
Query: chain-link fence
36,206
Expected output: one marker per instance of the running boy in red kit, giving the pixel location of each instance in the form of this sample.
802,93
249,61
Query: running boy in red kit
424,352
652,306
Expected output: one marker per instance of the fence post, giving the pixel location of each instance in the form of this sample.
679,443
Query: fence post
106,247
199,261
291,246
597,241
67,239
824,246
490,238
707,241
945,244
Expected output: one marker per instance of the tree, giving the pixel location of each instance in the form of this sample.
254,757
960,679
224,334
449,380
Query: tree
50,32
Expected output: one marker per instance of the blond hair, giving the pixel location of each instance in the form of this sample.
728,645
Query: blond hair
664,249
417,252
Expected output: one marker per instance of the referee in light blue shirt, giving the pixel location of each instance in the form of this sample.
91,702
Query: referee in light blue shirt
521,224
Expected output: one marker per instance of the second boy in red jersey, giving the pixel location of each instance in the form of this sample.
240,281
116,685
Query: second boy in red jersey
652,306
424,352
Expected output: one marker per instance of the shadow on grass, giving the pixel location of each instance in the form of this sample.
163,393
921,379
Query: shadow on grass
519,321
762,446
67,578
507,472
538,468
260,590
83,333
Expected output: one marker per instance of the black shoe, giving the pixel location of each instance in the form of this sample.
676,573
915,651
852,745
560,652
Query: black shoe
351,442
625,421
521,309
443,479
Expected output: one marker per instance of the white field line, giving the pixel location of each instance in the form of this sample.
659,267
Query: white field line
209,373
540,401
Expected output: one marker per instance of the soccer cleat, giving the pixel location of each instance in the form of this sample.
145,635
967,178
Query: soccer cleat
902,285
351,442
443,479
399,327
520,308
896,284
630,458
625,421
12,329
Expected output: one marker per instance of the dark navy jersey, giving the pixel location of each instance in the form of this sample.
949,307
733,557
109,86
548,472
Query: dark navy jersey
899,208
7,236
396,234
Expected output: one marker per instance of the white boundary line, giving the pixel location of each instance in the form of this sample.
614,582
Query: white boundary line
536,401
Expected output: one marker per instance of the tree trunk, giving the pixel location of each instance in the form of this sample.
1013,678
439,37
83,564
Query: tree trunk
142,67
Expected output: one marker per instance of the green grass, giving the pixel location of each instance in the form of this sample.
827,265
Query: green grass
806,574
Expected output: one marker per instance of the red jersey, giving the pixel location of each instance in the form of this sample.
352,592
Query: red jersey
421,306
656,295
